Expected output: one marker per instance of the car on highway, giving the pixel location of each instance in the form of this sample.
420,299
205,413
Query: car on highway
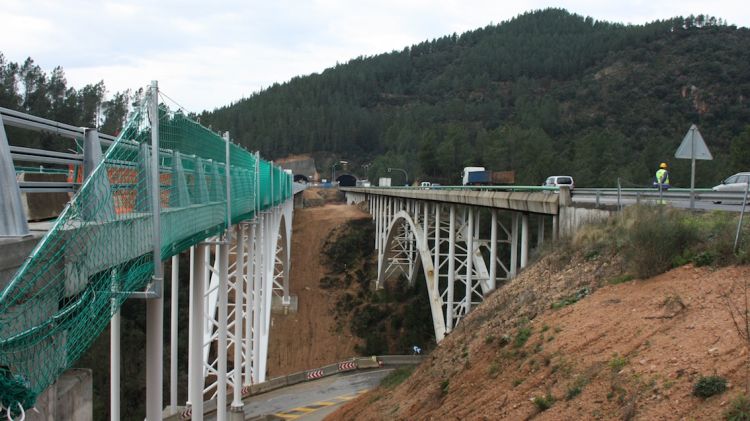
559,180
737,182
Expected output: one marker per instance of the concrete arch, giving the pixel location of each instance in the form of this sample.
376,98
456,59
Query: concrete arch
426,260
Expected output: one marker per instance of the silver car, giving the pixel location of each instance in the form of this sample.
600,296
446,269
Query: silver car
559,180
737,182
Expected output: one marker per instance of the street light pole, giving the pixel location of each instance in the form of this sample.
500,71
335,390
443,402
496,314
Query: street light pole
333,170
406,175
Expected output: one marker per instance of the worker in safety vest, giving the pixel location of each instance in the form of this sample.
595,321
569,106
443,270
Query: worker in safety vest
661,180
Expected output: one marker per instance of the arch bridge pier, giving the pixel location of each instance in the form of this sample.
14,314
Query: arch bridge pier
466,242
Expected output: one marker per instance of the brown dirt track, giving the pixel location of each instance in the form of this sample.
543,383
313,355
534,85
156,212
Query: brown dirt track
308,339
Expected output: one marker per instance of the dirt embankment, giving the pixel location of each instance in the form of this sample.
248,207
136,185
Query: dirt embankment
626,351
308,338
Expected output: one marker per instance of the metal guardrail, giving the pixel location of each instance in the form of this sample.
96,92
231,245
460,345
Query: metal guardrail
636,194
646,194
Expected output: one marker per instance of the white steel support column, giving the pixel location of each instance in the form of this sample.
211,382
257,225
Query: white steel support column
451,268
239,279
425,224
248,319
524,239
436,247
155,306
221,399
114,363
197,289
191,284
469,259
257,291
493,251
514,246
174,303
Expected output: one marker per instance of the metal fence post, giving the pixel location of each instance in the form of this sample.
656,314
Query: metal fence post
12,217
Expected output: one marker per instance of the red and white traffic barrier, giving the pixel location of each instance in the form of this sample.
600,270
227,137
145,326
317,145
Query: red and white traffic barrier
347,366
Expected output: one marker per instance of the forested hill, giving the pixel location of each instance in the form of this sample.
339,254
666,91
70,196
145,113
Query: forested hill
546,92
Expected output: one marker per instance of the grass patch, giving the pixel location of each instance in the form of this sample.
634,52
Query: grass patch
445,386
571,299
396,377
493,370
739,409
617,363
576,388
626,277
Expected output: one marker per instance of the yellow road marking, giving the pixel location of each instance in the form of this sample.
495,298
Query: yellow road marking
287,417
304,410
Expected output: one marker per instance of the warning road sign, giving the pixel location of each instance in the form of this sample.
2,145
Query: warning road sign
693,146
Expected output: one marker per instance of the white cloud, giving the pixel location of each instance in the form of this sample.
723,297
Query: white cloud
208,54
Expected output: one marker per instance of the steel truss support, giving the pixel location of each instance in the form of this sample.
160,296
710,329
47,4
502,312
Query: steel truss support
232,284
449,242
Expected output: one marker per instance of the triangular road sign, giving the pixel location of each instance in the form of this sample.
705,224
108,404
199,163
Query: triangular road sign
693,143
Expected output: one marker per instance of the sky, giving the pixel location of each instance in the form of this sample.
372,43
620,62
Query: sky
207,54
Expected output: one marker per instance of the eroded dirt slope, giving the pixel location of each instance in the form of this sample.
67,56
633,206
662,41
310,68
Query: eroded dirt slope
308,338
628,351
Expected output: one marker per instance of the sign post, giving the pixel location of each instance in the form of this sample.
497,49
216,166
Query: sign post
693,147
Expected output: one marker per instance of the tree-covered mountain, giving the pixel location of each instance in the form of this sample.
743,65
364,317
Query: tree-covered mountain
546,92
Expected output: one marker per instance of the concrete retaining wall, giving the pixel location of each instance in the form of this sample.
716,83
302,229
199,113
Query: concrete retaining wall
571,218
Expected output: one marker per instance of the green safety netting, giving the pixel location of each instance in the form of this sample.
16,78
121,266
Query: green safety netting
100,248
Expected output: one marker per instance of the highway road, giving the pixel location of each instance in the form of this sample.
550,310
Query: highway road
700,204
312,401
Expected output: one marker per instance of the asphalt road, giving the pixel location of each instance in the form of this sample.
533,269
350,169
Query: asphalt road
312,401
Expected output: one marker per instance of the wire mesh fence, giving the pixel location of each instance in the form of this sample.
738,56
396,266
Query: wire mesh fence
100,249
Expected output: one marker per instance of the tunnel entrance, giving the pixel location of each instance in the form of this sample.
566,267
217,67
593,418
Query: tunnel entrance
299,178
347,180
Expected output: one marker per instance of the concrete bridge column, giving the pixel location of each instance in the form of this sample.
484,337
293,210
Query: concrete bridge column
540,233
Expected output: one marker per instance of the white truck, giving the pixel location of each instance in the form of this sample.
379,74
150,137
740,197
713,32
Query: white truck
384,182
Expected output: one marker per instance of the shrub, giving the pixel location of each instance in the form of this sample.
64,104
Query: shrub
739,409
656,237
545,402
522,336
709,386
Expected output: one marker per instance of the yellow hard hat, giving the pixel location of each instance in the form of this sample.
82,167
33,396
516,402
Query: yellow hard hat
663,165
